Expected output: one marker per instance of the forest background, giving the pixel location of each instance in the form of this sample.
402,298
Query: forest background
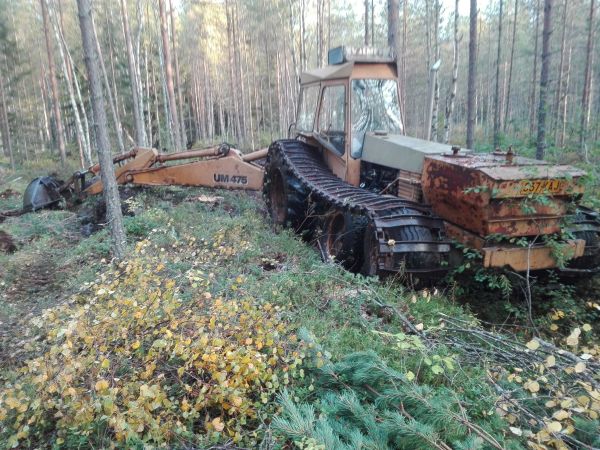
179,73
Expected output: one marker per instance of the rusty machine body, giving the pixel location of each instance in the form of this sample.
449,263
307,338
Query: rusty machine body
381,202
373,199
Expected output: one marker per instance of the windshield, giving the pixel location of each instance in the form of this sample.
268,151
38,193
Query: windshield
375,107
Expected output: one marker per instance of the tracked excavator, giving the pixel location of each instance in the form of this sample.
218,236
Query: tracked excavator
373,199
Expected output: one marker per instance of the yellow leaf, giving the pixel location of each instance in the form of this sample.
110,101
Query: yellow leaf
566,403
185,406
516,431
554,427
217,424
533,344
532,386
586,327
561,414
135,345
105,363
573,338
583,400
101,385
410,376
550,361
553,327
579,367
419,327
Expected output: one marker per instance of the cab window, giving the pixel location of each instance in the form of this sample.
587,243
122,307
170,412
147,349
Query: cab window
308,108
332,118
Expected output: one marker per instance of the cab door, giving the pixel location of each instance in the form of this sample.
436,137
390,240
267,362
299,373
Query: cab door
330,126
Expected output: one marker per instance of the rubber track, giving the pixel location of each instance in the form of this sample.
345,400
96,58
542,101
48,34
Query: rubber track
386,212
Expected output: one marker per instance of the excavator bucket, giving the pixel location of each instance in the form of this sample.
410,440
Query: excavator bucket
42,192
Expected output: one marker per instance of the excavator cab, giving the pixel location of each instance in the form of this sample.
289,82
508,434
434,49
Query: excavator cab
339,104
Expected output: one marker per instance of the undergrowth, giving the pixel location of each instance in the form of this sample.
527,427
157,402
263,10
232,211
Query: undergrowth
157,350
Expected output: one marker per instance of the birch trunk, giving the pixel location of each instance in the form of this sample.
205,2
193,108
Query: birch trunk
177,76
138,121
542,111
563,127
510,70
587,81
561,69
532,95
497,92
85,154
168,67
472,82
5,127
111,101
455,59
54,86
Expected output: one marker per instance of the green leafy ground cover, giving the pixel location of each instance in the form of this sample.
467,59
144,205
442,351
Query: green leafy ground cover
219,330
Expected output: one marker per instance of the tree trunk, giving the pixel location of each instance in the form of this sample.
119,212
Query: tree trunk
472,82
177,77
561,69
54,86
138,120
85,155
563,126
587,81
497,92
107,170
393,37
175,128
404,43
436,84
367,22
455,59
510,70
320,33
111,100
542,111
4,126
532,95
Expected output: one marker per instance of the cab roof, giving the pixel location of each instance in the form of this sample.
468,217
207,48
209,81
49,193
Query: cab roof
347,70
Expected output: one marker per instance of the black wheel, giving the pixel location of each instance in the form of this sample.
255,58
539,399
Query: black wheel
341,239
591,252
284,195
585,225
412,261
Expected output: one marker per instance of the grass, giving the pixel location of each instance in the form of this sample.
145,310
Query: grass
338,312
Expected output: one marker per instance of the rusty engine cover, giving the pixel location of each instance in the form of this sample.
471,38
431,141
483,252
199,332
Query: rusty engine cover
494,194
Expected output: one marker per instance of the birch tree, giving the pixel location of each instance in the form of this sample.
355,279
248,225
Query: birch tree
138,120
544,75
472,81
587,81
168,68
54,86
497,92
85,154
453,86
